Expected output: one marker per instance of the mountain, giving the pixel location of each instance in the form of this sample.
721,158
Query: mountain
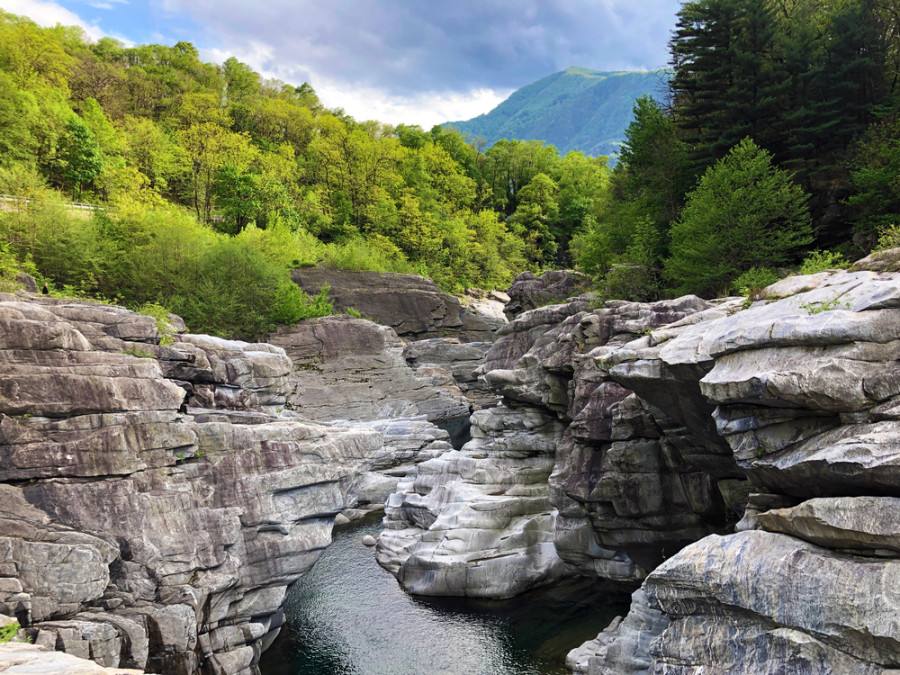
575,109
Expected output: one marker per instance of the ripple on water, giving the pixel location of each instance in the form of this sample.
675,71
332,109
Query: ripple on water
349,616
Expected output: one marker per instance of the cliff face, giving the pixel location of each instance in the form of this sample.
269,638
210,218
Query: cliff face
804,387
157,501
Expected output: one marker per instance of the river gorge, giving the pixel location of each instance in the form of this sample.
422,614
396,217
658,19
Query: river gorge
731,465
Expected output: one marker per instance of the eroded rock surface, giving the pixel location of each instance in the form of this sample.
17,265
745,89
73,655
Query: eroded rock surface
412,305
138,529
529,291
797,393
442,528
353,369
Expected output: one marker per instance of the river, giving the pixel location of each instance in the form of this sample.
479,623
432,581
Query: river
350,617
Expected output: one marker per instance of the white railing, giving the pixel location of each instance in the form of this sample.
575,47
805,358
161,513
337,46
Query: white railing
70,205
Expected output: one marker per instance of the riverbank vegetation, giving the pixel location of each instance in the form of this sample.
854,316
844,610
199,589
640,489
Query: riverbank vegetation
210,182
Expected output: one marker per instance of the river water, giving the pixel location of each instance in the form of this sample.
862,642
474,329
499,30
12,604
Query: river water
350,617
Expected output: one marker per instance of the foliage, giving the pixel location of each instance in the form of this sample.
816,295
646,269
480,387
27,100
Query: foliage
744,213
236,291
163,325
888,237
825,305
751,282
138,353
819,261
9,269
874,173
194,162
9,631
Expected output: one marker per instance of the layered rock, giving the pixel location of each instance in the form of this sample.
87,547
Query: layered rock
354,373
478,521
439,358
353,369
412,305
29,658
801,388
442,527
138,531
530,291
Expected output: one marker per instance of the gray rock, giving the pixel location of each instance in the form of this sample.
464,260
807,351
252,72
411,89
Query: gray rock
478,522
18,657
623,648
529,291
862,523
754,597
138,535
412,305
352,369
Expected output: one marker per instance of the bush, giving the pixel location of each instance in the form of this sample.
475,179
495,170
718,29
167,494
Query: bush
639,283
751,282
237,292
819,261
888,237
8,632
375,253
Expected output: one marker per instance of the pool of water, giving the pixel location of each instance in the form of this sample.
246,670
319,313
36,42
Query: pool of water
349,616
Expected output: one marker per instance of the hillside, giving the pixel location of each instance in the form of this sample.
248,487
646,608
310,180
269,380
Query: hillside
575,109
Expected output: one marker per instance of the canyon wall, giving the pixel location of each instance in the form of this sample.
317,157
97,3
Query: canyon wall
736,458
158,500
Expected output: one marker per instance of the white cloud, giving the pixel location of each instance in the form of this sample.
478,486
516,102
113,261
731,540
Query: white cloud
367,103
49,14
425,109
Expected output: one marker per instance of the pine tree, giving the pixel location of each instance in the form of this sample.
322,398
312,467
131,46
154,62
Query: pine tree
744,213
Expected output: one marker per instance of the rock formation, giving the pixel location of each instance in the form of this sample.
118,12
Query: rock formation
157,501
529,291
801,387
412,305
480,521
636,436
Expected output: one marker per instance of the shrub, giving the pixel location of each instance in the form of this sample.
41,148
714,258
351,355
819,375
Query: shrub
237,292
819,261
888,237
8,632
752,281
161,315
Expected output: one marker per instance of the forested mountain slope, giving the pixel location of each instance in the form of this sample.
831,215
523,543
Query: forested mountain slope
575,109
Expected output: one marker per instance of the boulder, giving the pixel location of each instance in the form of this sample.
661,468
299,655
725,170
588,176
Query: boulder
412,305
529,291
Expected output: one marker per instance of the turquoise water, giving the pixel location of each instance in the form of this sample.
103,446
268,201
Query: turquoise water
350,617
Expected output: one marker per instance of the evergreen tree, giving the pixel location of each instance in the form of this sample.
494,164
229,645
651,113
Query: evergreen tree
744,213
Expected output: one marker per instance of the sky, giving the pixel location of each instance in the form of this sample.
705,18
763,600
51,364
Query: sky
411,61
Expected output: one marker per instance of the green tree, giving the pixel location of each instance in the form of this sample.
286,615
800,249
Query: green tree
80,157
744,213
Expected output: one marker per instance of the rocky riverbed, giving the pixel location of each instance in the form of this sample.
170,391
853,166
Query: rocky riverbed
734,461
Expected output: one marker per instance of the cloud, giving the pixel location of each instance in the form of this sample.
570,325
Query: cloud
364,103
404,47
49,14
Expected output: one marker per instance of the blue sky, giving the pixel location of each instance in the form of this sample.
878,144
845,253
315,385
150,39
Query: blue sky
413,61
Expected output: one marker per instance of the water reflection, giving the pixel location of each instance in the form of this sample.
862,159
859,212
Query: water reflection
349,616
